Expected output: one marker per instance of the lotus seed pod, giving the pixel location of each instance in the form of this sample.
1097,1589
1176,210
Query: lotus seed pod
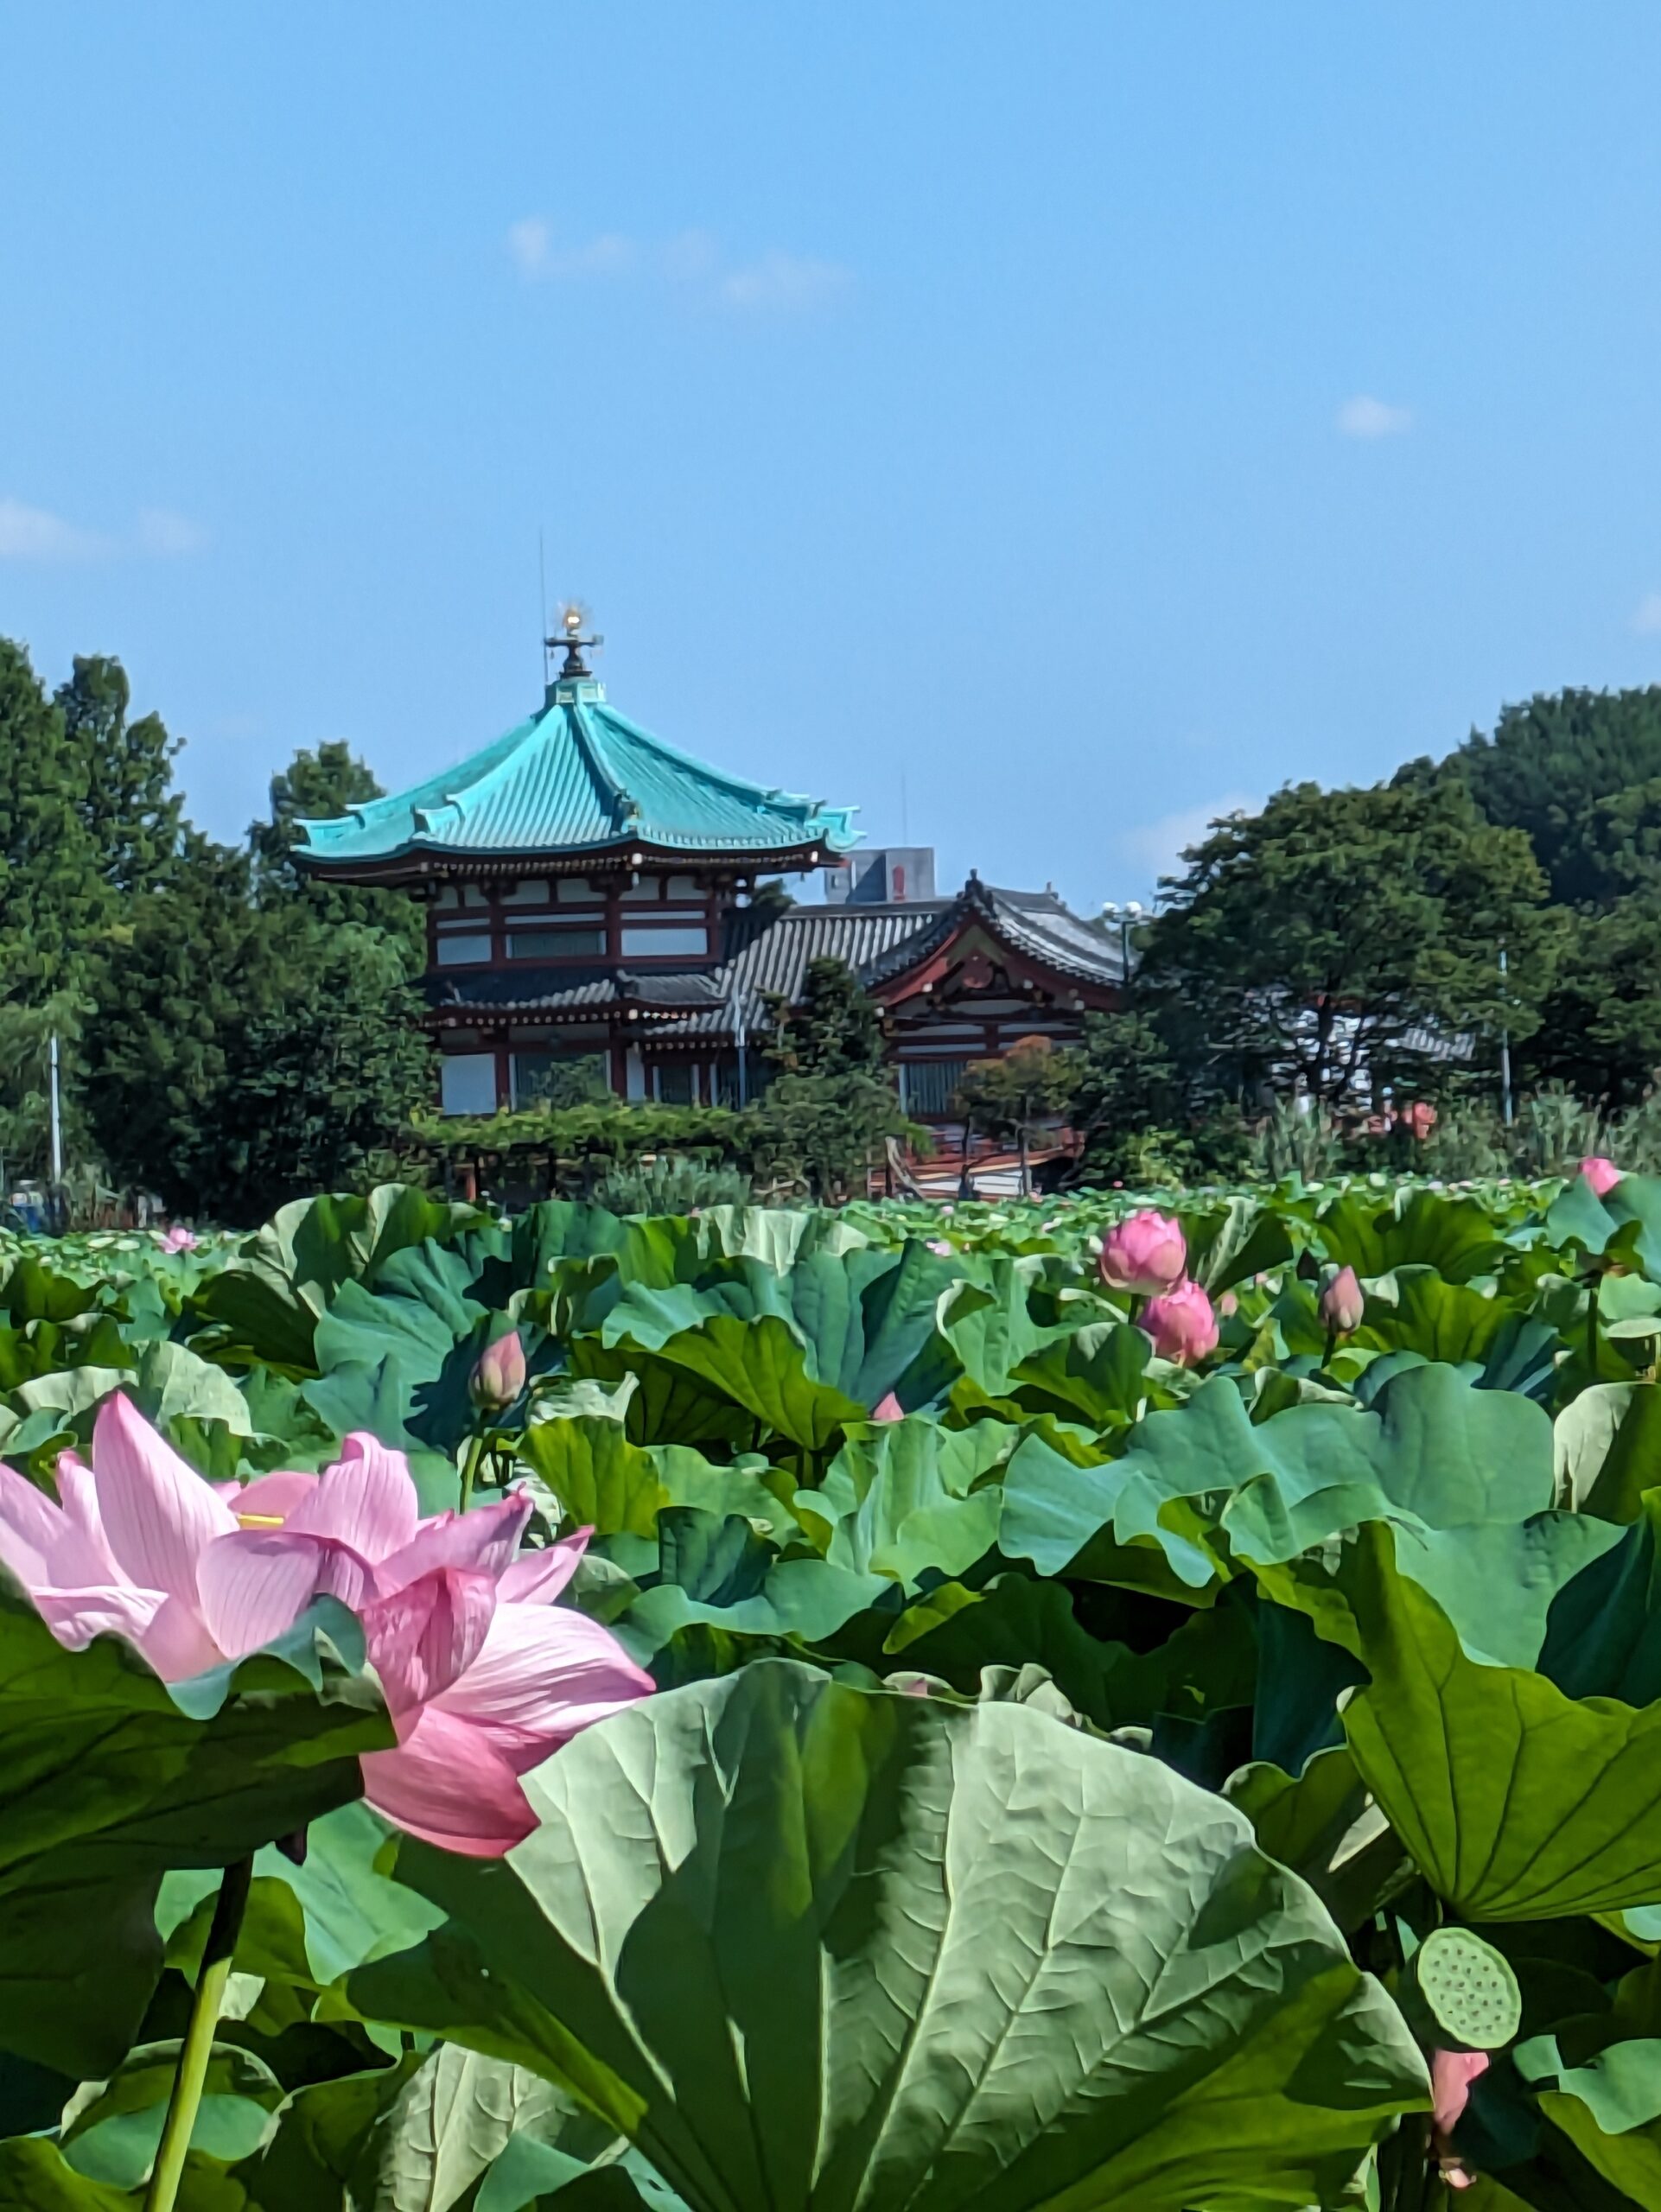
1468,1989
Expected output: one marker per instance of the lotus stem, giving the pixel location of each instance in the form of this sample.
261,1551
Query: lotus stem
1331,1347
200,2031
1592,1325
470,1466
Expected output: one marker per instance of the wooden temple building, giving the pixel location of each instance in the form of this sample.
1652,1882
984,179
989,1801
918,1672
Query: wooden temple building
590,895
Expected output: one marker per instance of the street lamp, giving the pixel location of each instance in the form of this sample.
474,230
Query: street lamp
1127,917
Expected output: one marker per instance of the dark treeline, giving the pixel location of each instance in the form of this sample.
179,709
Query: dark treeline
231,1035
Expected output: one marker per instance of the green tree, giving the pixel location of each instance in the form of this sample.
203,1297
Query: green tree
1031,1085
316,787
51,901
1551,766
1339,934
1129,1096
829,1102
1600,1031
128,809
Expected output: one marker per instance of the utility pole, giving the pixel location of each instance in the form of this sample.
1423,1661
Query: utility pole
1504,1053
57,1127
740,1038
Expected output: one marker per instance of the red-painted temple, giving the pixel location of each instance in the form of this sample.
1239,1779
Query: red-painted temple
591,897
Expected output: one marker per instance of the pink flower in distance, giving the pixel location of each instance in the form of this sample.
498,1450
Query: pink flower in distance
180,1239
1144,1255
1452,2073
1342,1304
1601,1174
483,1675
1181,1323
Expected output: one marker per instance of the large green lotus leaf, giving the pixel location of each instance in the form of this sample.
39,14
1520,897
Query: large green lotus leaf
34,2177
812,1945
1413,1310
864,1318
109,1776
1624,1222
1206,1665
422,1317
1609,1448
1609,2106
797,1600
1432,1454
1603,1631
909,1498
196,1405
265,1302
988,1321
666,1404
114,2134
1416,1229
1515,1801
1242,1238
1096,1374
603,1481
760,1365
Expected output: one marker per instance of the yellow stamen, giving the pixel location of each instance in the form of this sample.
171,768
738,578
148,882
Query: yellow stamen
259,1520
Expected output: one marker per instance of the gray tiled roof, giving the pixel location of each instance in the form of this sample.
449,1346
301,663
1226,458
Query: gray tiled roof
764,952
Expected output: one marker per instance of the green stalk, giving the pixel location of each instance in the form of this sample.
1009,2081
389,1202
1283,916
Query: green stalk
1591,1326
200,2031
1331,1347
470,1469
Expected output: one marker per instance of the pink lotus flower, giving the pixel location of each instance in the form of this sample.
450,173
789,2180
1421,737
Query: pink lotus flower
887,1408
1342,1304
180,1239
938,1245
483,1676
1452,2073
1144,1255
1601,1174
498,1374
1181,1323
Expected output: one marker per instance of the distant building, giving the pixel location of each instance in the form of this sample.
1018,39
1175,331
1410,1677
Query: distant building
589,893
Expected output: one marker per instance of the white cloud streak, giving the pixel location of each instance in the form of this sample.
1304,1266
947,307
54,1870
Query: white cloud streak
34,534
1158,846
1364,417
774,283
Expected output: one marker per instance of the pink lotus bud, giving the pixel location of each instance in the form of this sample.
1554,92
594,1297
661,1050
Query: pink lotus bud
1601,1174
1452,2073
887,1408
1181,1323
1144,1255
1342,1304
1228,1303
498,1374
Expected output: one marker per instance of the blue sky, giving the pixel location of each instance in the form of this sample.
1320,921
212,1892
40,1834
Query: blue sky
1039,426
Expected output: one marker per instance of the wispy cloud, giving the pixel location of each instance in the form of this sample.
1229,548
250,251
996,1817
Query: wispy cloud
1647,615
167,536
32,534
35,534
787,281
1364,417
1157,847
775,282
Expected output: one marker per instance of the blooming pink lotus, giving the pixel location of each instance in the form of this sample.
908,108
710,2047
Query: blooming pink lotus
483,1676
1601,1174
180,1239
1181,1323
1145,1255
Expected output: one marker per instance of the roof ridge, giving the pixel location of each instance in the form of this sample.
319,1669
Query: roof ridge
624,806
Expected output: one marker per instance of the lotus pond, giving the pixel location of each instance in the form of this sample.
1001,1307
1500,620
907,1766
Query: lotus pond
978,1762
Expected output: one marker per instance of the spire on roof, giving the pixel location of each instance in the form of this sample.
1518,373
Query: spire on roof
572,616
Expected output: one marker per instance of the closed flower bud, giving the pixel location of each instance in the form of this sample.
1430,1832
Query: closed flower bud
497,1376
1181,1323
1342,1304
1601,1174
1145,1255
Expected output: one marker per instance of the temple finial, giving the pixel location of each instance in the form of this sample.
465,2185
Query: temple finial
572,616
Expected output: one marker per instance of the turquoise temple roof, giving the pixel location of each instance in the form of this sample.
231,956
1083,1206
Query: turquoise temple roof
576,777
